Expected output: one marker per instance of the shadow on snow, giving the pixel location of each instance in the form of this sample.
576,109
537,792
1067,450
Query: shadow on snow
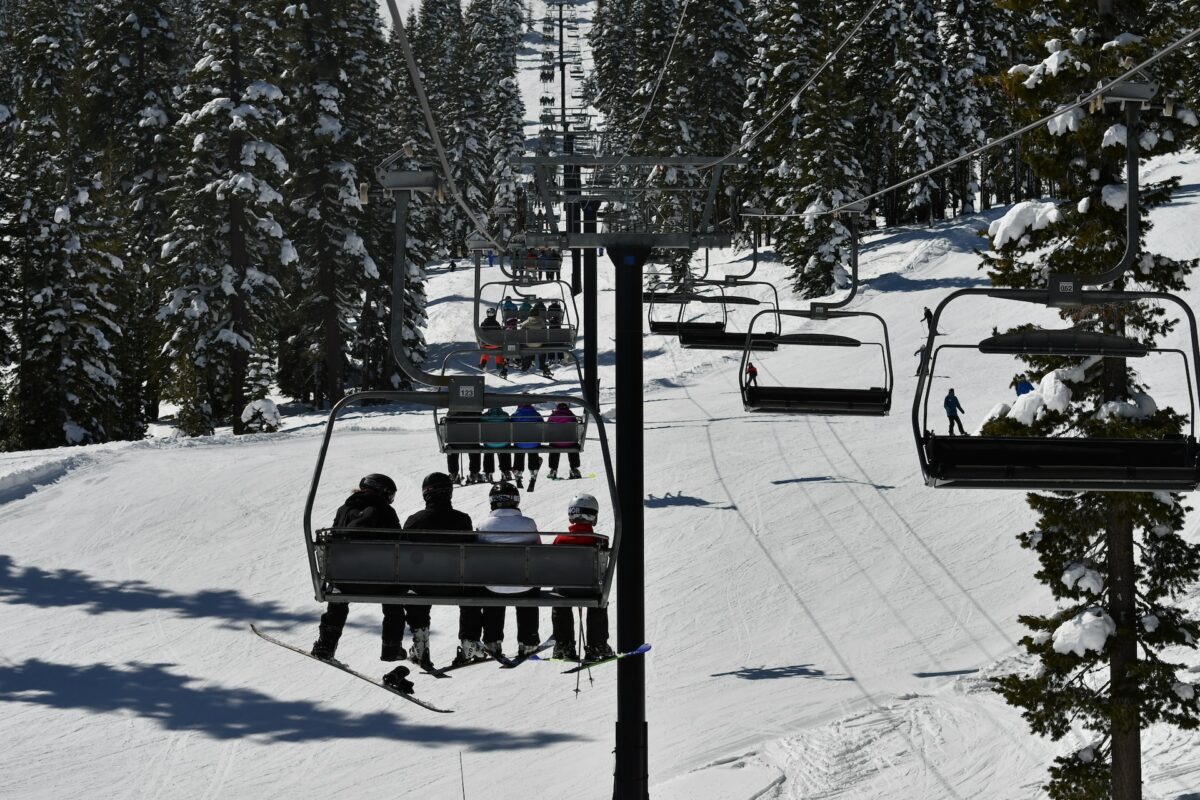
185,703
772,673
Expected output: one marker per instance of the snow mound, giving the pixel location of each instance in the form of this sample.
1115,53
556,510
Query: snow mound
1087,631
1022,217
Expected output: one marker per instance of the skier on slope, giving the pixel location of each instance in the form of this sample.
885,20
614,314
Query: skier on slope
582,513
562,415
438,515
953,408
369,506
751,374
505,525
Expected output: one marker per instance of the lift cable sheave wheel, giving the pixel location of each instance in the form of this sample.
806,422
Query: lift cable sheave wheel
350,565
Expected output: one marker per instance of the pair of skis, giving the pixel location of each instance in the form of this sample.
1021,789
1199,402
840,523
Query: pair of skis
641,649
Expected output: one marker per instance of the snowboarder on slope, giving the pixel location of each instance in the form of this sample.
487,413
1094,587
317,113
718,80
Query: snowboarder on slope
953,408
582,513
751,374
438,515
507,525
369,506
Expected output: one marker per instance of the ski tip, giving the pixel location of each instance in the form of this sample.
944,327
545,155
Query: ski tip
644,648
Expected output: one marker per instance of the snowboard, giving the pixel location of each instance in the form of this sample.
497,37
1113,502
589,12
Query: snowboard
344,668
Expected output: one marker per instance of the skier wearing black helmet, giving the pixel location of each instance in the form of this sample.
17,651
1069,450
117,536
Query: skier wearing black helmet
370,506
505,525
438,515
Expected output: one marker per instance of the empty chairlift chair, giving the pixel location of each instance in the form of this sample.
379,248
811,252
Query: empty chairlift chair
676,325
725,339
796,398
1060,463
451,567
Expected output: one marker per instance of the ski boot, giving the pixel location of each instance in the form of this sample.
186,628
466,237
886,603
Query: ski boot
552,474
494,648
326,644
398,680
504,372
574,475
532,481
525,650
476,477
456,479
469,651
392,651
520,480
418,652
546,374
597,652
507,476
565,651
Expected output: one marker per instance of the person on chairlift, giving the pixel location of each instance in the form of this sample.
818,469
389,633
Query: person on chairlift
536,322
563,415
437,490
953,409
490,322
751,374
583,513
507,525
508,309
527,413
369,506
524,309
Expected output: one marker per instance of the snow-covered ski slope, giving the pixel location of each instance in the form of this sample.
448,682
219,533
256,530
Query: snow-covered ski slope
823,624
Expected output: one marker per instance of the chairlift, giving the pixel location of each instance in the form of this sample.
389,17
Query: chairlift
725,339
1062,463
355,565
678,325
795,399
527,342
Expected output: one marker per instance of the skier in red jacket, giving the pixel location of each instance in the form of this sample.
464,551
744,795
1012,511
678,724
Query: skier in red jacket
582,513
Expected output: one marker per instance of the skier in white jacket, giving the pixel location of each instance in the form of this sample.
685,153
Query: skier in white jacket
507,525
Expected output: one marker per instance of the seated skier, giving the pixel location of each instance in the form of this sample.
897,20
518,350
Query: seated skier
583,513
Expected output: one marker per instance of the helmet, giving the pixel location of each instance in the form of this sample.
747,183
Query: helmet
437,486
562,407
583,508
375,482
504,495
491,312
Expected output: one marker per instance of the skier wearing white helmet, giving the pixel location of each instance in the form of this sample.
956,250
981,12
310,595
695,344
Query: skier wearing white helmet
583,512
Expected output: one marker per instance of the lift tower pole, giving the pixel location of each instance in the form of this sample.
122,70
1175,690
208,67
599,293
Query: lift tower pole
631,781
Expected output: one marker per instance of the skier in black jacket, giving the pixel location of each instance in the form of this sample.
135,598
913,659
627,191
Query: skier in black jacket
438,515
370,506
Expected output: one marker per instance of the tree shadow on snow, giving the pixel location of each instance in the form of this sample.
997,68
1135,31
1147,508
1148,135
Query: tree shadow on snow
185,703
676,500
895,282
949,673
62,588
772,673
829,479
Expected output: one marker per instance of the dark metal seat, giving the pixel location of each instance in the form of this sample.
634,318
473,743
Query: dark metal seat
727,340
466,435
675,328
528,341
449,567
1079,464
798,399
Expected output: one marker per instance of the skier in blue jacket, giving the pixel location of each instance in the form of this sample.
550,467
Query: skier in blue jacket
953,407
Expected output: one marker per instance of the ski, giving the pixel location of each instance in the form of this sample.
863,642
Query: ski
344,668
582,665
512,663
581,477
532,481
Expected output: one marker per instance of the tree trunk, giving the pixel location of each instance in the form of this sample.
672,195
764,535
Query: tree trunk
238,259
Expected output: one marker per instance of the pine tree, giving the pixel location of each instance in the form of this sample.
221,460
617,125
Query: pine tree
64,390
466,145
225,241
613,75
1081,540
333,84
9,305
504,109
132,61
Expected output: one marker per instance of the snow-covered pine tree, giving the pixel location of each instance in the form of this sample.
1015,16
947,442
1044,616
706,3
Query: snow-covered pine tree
504,109
333,83
400,128
64,389
1102,661
9,306
132,61
225,241
807,159
921,104
466,139
612,78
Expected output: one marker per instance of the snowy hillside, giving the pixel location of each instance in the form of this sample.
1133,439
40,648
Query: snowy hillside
822,623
